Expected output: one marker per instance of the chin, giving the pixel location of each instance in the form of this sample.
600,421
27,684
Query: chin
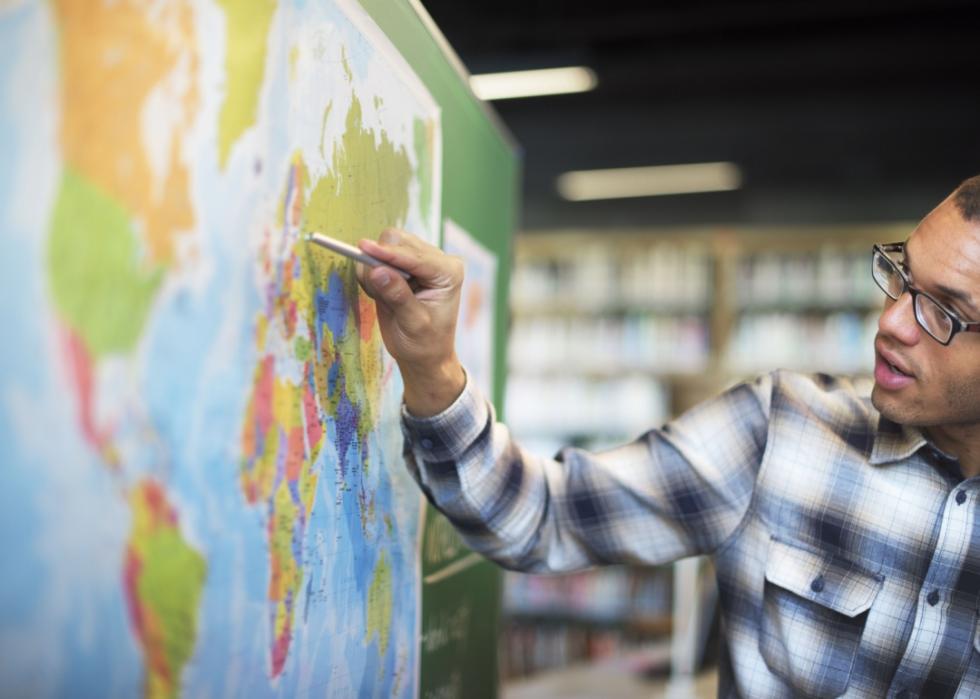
889,406
904,412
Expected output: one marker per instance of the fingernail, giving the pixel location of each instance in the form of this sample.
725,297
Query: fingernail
383,278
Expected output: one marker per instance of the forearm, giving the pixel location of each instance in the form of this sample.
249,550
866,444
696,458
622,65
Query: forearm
466,463
671,493
429,390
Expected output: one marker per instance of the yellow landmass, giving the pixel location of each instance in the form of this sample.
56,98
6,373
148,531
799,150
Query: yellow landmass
113,56
378,620
293,62
281,548
366,188
245,53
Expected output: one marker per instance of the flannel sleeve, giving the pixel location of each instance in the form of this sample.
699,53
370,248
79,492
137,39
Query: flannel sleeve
676,491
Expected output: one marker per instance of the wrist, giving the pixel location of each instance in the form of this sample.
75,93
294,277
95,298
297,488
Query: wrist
431,388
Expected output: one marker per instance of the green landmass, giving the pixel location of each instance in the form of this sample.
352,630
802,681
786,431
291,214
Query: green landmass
366,189
170,583
323,129
246,40
379,605
423,156
301,348
99,284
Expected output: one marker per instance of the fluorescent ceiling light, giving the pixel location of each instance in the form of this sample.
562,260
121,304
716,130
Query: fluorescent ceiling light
620,183
533,83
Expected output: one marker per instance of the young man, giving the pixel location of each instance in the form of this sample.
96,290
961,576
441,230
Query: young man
845,529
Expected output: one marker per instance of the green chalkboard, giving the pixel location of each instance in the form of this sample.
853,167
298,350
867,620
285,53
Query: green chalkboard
461,592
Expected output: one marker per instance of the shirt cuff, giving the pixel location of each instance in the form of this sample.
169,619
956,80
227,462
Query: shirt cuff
446,436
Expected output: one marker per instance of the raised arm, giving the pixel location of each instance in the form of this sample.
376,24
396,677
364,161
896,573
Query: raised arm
674,492
418,318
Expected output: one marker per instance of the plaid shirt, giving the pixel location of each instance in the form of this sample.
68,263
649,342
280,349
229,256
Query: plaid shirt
847,548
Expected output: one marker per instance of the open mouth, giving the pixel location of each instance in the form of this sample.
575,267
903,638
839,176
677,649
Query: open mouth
888,375
896,370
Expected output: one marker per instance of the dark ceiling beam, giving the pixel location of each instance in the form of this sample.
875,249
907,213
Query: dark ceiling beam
520,25
837,110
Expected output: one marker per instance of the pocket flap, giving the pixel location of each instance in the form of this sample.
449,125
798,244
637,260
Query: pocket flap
822,578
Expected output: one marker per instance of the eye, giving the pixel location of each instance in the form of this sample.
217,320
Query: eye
953,308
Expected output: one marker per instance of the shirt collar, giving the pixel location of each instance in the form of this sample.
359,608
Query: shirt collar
894,442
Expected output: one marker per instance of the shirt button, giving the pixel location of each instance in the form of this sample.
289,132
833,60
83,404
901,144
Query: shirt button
933,598
817,584
426,443
961,497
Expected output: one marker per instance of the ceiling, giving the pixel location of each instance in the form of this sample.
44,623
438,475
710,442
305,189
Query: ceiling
836,111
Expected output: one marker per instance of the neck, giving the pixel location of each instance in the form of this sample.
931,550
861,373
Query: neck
961,441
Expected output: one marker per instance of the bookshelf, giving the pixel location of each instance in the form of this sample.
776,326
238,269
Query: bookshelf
553,621
616,331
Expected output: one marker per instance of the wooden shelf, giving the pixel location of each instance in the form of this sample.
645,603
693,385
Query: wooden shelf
608,371
642,625
611,308
810,308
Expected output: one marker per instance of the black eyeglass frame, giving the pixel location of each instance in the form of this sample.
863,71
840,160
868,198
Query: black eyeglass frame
958,324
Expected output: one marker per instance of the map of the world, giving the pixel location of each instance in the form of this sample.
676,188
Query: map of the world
203,492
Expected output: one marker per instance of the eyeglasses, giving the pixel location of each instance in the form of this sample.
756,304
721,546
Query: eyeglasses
941,323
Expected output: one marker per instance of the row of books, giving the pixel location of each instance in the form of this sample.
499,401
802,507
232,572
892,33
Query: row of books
598,276
551,621
669,276
602,594
836,342
526,649
607,345
829,277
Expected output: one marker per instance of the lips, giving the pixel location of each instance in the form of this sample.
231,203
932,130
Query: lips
891,371
894,361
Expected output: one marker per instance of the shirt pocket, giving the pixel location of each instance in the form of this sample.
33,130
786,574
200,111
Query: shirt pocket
970,684
815,606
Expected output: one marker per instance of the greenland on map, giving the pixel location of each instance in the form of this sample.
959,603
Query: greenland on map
203,492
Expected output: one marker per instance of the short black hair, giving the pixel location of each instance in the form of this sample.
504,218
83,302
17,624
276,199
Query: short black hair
967,198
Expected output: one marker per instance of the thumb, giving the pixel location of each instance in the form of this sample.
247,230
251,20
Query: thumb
392,290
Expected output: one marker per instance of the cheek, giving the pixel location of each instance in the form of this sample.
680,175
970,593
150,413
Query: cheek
959,378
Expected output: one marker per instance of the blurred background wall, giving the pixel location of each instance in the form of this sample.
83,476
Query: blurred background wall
829,126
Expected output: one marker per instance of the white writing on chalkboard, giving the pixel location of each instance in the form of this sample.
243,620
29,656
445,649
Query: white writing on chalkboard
442,543
444,627
452,689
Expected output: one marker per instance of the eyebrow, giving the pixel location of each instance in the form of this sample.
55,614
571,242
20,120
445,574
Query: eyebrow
948,292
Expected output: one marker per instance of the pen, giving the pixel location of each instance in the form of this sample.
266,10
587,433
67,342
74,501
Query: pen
352,252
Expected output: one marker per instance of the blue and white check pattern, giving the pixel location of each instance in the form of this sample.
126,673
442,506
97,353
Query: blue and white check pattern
847,548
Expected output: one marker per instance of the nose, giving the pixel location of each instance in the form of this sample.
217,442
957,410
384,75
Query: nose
897,320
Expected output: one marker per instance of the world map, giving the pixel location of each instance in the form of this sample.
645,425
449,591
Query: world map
203,488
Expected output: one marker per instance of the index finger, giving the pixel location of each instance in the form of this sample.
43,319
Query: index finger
426,263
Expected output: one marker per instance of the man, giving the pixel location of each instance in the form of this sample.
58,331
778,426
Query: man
845,529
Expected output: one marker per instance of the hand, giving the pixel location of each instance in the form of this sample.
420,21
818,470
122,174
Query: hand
418,318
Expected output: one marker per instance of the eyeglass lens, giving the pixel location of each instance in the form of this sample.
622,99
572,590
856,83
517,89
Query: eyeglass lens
931,317
887,276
